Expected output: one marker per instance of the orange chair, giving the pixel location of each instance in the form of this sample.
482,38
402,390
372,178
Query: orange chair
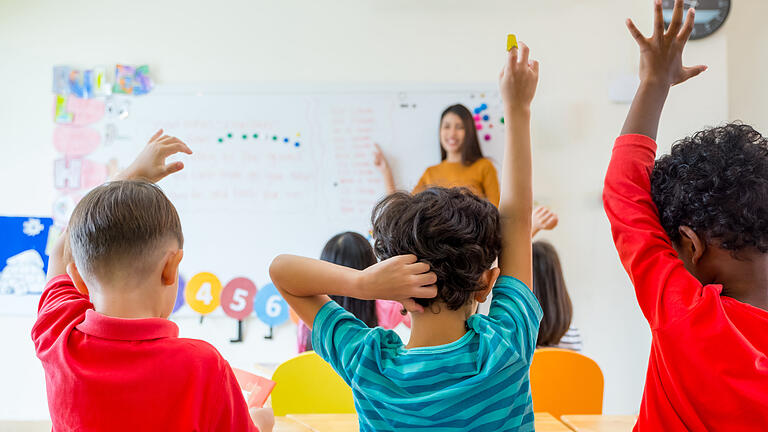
565,382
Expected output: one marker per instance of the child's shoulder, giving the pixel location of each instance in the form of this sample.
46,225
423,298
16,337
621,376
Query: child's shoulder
197,351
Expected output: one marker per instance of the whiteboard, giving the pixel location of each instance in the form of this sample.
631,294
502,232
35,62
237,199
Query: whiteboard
282,171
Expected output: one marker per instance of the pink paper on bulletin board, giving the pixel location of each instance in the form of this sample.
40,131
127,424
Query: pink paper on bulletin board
85,111
75,174
258,388
75,141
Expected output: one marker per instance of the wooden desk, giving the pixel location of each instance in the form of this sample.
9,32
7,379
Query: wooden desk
600,423
546,422
284,424
327,422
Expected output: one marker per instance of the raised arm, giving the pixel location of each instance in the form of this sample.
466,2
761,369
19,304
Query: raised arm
664,288
661,67
149,165
380,162
517,83
305,283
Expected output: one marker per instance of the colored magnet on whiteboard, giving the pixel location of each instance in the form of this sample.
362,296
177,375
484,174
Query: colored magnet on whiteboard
203,293
487,137
477,117
237,298
270,306
245,136
296,144
179,294
479,126
274,137
502,120
229,135
484,107
255,136
285,140
221,139
511,41
485,117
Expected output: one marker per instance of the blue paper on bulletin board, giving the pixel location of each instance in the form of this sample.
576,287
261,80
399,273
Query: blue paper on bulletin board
23,257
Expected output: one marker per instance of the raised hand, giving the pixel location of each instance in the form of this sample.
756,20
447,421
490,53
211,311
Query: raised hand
543,219
150,163
661,55
399,278
518,79
381,164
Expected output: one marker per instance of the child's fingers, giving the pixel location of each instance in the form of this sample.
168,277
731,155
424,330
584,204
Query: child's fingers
157,134
174,145
418,268
429,291
658,19
407,259
636,34
425,279
411,306
524,52
173,167
685,33
690,72
511,58
677,18
535,67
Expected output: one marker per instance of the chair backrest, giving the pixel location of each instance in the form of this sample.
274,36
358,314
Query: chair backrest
565,382
306,384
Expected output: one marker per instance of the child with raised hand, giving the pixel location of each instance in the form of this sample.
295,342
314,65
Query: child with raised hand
692,232
112,359
460,370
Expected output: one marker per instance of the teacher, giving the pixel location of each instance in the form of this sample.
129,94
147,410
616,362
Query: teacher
463,163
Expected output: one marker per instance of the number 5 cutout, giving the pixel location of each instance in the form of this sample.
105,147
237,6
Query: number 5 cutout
237,298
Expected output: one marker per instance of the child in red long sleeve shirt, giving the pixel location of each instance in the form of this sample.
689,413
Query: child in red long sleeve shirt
692,232
112,360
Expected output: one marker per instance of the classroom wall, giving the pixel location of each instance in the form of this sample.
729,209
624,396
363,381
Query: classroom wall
583,47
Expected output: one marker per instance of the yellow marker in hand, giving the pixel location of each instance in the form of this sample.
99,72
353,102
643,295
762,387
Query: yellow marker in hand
511,42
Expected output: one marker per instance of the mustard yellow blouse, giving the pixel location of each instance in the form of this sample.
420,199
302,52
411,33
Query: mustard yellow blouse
480,178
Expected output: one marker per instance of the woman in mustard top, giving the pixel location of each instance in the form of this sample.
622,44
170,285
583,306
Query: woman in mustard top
463,162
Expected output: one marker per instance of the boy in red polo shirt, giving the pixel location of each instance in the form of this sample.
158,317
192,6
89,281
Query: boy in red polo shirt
112,360
692,232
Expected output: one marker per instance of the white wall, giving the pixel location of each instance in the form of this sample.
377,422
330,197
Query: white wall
582,46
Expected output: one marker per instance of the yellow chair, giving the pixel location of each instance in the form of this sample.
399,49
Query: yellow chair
565,382
306,384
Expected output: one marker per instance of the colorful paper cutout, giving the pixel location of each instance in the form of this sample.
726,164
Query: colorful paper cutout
60,80
180,294
67,173
75,141
270,306
60,113
237,298
203,293
256,389
130,80
23,257
85,111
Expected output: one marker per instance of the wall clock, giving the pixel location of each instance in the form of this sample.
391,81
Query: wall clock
710,15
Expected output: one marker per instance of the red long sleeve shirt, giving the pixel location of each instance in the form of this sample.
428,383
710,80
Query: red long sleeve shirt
112,374
708,368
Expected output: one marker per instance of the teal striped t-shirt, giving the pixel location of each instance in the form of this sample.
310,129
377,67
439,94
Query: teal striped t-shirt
477,383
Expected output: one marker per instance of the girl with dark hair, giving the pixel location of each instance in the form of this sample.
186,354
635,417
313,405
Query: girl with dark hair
350,249
462,163
549,287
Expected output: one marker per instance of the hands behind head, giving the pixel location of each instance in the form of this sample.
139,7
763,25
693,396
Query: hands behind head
150,163
661,55
400,278
518,79
544,219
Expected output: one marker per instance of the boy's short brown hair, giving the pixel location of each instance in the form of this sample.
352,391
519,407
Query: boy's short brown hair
120,223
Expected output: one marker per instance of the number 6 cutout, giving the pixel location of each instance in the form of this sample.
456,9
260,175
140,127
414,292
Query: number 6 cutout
203,293
270,306
237,298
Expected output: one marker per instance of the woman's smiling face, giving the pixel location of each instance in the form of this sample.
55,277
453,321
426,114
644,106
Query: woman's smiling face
452,133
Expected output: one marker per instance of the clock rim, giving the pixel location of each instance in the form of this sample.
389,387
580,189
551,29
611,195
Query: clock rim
694,36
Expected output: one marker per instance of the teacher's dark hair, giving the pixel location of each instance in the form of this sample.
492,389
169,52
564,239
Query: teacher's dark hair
470,148
549,288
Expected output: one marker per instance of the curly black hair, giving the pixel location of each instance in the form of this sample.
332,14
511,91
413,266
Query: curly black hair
716,183
452,230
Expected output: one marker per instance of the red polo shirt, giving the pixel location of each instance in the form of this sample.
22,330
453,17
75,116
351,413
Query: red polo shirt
708,369
113,374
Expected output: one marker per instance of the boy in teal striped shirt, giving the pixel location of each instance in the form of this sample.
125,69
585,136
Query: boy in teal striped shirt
459,371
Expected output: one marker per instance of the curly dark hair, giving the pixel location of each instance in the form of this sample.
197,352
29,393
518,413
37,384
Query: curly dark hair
452,230
716,182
